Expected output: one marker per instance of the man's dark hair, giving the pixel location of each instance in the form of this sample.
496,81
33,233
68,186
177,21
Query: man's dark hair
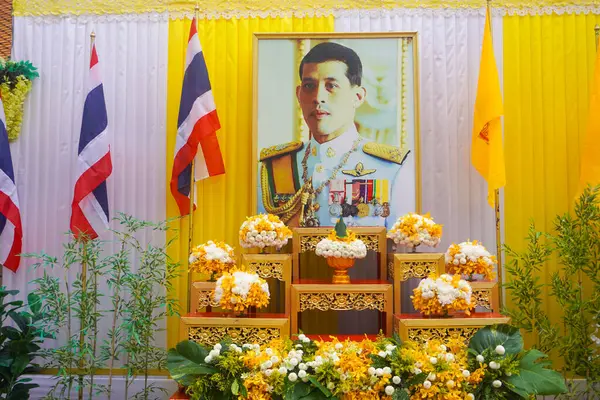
329,51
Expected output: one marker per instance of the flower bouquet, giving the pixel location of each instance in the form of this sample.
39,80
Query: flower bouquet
264,230
340,249
15,84
240,290
412,230
212,258
438,296
469,258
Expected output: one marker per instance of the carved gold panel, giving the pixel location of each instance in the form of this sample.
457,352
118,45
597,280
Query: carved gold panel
413,265
485,294
272,266
341,301
306,239
211,335
422,329
324,296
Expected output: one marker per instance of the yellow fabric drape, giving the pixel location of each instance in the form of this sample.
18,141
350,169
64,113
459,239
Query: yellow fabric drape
223,201
548,66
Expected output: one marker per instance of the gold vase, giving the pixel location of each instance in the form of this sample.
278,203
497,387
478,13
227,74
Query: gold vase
340,266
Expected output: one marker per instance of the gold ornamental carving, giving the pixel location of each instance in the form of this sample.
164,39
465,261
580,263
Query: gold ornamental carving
417,269
267,269
390,269
342,301
211,335
482,298
205,299
423,335
309,243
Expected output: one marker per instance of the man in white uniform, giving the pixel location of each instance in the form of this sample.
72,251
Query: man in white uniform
337,172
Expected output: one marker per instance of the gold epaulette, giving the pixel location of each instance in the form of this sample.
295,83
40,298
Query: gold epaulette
386,152
280,149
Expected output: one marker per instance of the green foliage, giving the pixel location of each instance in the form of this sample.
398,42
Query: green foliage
139,297
575,242
19,344
10,70
520,373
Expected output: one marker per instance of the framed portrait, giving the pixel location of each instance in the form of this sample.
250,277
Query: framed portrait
335,127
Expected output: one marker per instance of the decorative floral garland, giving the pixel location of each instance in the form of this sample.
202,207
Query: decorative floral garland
15,83
494,366
442,295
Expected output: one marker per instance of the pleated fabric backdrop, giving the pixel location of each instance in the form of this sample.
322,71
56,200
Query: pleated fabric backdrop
133,64
549,61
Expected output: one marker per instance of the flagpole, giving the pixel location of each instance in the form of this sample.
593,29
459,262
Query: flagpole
191,219
597,32
496,195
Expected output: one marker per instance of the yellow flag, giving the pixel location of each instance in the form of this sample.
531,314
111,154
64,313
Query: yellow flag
590,154
487,151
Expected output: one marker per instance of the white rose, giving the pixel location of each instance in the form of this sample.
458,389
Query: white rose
293,377
387,370
494,365
427,384
382,354
433,360
480,358
496,384
500,350
302,367
379,371
389,390
301,374
396,380
283,370
466,373
268,372
431,377
371,371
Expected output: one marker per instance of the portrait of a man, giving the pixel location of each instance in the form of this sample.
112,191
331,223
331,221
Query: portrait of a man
336,171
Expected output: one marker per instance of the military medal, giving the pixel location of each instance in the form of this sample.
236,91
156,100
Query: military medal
363,210
386,210
346,208
377,209
335,210
353,210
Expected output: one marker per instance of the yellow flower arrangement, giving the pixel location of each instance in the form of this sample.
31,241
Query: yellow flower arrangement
212,258
412,230
15,83
341,243
446,366
441,295
264,230
469,258
239,290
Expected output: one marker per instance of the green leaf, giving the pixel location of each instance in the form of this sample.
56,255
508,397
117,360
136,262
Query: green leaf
192,351
35,303
492,336
243,391
20,319
318,385
235,387
315,394
10,332
400,394
417,379
184,370
19,364
534,378
296,390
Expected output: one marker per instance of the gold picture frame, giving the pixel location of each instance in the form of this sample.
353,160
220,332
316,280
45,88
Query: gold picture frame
408,39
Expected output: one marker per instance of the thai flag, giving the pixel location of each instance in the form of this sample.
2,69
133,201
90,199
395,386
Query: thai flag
89,211
11,230
197,125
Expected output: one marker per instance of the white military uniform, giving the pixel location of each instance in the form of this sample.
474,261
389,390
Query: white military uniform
362,178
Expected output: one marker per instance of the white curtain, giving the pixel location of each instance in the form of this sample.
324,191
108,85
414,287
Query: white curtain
449,47
133,62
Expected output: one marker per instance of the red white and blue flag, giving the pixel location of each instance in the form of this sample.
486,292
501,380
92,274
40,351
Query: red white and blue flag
197,127
89,211
11,230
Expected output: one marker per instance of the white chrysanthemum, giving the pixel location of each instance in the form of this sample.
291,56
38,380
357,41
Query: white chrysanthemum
469,251
334,248
443,288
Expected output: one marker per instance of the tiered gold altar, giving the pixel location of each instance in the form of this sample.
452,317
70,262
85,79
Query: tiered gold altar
302,292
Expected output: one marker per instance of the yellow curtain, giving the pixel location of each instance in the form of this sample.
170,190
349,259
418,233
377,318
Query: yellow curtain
223,201
548,65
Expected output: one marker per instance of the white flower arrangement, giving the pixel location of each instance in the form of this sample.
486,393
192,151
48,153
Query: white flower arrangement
212,258
436,295
240,290
338,249
264,230
468,258
412,230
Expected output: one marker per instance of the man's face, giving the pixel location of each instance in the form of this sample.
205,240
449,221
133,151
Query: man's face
327,98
